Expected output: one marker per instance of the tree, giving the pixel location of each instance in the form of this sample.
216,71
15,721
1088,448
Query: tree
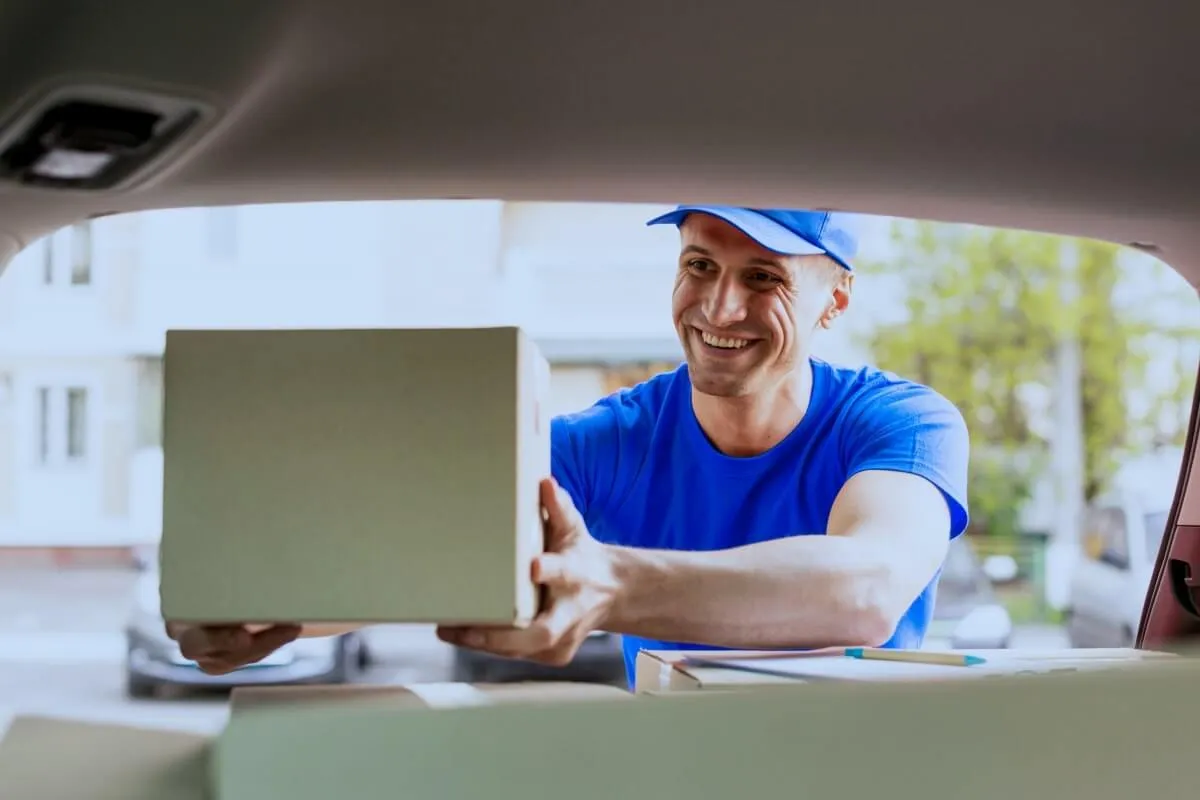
984,311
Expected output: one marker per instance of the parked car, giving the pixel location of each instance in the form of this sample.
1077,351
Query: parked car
153,661
967,614
599,660
1121,536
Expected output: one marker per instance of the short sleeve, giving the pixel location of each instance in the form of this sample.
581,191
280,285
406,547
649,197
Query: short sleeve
583,457
911,428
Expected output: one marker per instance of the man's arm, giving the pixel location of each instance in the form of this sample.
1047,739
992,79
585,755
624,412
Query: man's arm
887,536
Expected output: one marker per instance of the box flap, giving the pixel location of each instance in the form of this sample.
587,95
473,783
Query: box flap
665,671
417,695
42,758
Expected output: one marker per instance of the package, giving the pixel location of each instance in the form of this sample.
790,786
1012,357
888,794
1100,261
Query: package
417,695
1032,736
1104,735
659,671
353,476
43,758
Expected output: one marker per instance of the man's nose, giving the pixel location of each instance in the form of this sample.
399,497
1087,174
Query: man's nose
726,303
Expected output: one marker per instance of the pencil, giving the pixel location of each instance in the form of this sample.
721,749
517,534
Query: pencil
916,656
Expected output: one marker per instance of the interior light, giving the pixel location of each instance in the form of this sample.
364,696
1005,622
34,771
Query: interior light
71,164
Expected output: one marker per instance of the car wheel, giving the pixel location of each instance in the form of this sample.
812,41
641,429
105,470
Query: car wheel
364,659
466,669
139,688
348,659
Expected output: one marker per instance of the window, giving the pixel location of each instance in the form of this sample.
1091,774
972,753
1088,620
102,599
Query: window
81,254
1106,537
222,233
1156,526
62,425
48,260
69,251
149,403
76,424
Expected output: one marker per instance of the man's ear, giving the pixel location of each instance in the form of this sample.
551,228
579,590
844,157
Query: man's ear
839,299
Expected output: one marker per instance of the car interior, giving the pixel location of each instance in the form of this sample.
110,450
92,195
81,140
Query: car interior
1047,117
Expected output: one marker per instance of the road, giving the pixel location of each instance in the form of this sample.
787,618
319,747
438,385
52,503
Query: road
45,674
61,653
62,649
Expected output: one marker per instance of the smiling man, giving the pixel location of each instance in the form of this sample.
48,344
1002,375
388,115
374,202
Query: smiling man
755,497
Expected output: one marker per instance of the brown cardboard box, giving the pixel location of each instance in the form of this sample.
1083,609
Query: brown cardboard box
417,695
666,671
1107,735
352,475
55,759
43,758
660,671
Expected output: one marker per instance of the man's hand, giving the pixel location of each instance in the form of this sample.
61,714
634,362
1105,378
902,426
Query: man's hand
578,574
219,649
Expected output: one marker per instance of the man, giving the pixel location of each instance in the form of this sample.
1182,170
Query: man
755,497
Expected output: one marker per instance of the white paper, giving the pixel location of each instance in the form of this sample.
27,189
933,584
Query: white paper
846,668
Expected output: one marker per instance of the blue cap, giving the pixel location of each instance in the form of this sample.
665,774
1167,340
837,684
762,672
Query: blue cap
788,232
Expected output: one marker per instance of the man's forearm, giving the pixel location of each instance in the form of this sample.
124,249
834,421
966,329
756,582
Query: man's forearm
804,591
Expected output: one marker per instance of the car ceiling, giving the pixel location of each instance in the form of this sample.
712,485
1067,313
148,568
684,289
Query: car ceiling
1053,115
1048,115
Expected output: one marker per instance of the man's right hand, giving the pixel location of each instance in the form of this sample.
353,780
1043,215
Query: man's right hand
219,649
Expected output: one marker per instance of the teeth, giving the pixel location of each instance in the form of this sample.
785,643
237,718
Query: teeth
728,344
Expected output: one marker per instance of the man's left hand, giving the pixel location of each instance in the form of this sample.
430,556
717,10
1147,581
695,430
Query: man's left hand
581,585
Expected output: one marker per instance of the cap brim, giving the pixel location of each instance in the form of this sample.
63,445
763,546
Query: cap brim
767,232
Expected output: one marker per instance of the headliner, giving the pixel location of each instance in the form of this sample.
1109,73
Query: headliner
1018,114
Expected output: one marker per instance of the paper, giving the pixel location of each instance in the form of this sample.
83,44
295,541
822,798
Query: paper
842,668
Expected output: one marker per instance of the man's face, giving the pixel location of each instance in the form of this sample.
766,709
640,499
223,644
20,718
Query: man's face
745,315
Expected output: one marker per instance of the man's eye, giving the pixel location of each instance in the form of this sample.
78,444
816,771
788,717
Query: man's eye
763,277
699,264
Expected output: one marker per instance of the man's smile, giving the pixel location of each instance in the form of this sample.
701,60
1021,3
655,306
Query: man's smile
724,343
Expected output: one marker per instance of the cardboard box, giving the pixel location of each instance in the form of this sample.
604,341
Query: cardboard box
355,476
1102,735
44,758
1107,735
661,671
670,671
417,695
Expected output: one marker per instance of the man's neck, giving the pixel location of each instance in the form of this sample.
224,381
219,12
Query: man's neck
748,426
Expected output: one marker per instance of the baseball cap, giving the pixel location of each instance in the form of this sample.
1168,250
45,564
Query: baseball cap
796,232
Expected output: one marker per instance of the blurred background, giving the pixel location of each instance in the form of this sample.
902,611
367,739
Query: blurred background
1072,361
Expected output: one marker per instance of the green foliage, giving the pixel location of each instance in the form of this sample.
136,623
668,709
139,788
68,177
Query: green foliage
984,313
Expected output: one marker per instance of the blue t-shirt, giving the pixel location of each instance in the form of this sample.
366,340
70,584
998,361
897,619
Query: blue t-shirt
643,474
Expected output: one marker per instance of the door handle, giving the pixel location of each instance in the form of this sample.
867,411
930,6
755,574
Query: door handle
1182,586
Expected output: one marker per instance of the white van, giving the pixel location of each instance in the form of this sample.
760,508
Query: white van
1119,543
